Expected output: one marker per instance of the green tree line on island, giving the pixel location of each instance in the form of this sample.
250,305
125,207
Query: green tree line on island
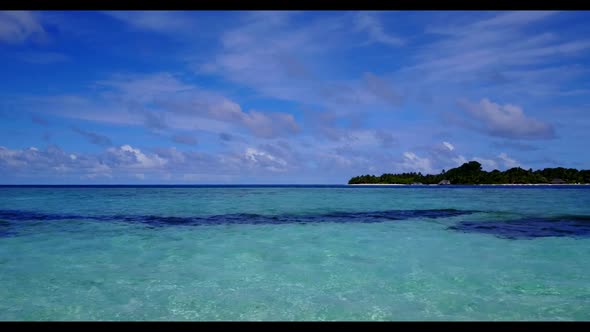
472,173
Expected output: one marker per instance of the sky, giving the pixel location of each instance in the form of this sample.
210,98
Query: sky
288,97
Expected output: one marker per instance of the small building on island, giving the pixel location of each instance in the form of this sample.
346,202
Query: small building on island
444,182
558,181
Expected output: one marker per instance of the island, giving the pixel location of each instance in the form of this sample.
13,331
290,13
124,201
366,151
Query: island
472,173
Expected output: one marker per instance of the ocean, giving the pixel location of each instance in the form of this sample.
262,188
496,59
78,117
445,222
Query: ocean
294,253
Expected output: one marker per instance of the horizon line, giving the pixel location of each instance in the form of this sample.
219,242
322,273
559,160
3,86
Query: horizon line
295,184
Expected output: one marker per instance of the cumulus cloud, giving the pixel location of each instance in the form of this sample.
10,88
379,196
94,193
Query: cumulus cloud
51,161
445,156
132,157
321,162
508,121
265,160
442,155
19,26
126,162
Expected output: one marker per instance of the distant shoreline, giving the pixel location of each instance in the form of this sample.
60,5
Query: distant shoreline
481,184
471,173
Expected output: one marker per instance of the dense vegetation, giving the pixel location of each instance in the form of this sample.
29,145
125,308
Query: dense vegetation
471,173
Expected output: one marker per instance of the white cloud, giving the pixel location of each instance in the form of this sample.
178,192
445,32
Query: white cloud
369,23
129,157
18,26
131,163
147,88
449,146
270,54
98,170
10,157
172,22
487,164
508,162
182,102
271,124
482,44
261,124
142,159
162,102
507,120
265,159
459,160
412,163
514,19
507,54
51,160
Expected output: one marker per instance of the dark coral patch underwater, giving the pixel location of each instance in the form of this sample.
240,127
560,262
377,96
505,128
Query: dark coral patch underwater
12,216
529,228
524,228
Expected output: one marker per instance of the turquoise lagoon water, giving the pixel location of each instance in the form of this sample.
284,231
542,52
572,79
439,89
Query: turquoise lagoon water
294,253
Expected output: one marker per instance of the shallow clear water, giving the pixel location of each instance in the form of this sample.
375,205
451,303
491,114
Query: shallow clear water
295,253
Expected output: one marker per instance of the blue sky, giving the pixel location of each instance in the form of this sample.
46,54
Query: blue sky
288,97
